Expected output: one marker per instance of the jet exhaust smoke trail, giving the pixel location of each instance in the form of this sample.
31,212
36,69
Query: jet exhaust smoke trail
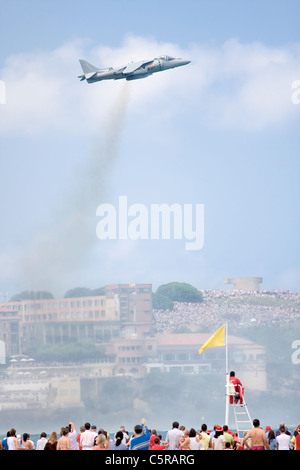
57,254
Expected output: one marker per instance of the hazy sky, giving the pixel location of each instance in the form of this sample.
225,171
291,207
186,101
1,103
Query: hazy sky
222,131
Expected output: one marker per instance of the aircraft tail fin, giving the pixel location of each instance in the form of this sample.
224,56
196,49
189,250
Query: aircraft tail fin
87,67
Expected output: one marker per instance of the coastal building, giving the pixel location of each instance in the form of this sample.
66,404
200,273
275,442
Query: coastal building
10,333
180,352
132,353
121,320
135,308
29,384
32,385
124,310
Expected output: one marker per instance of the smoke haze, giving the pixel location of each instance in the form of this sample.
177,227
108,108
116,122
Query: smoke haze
67,242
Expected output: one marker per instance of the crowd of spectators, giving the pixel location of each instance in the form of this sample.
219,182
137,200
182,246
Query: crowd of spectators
242,308
143,438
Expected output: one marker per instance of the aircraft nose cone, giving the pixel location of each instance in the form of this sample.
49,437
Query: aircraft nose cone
180,62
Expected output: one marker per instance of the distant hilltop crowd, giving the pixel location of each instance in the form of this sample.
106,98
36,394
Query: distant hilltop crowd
243,308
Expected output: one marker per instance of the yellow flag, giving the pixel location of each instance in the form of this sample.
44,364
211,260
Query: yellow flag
217,339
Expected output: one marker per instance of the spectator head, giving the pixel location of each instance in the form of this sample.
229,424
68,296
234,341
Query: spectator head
271,435
138,429
64,431
100,441
118,438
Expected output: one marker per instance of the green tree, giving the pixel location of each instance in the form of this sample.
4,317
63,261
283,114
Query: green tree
77,292
175,292
84,292
68,352
31,295
161,302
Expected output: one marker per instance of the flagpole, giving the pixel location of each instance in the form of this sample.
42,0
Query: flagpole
226,371
219,338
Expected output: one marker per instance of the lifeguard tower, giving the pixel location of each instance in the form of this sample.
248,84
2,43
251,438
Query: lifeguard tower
242,416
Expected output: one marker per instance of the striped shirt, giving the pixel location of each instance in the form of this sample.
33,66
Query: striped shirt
142,441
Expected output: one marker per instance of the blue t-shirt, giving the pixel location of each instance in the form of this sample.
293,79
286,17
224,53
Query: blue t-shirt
4,444
273,444
141,442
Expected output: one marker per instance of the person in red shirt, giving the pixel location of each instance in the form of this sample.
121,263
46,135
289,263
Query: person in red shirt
296,438
157,445
238,443
153,436
82,429
239,389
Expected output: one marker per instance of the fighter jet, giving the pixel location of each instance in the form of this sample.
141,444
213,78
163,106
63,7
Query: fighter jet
132,71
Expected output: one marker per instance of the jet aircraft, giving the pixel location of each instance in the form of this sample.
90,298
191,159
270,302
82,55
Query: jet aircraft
132,71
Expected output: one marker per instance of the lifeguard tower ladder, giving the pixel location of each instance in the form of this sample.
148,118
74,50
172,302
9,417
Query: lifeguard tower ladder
242,416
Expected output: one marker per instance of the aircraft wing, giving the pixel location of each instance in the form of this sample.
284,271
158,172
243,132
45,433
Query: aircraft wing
135,66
